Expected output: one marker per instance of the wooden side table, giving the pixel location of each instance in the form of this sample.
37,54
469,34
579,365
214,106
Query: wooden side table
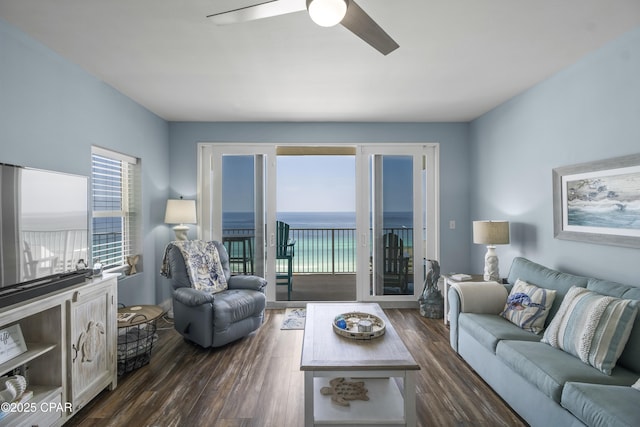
136,335
448,281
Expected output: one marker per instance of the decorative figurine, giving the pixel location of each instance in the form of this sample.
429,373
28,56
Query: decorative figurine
431,301
342,391
132,260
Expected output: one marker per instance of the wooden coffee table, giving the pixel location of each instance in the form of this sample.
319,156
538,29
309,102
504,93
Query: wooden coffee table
383,363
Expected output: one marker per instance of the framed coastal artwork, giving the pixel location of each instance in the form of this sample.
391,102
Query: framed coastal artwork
598,202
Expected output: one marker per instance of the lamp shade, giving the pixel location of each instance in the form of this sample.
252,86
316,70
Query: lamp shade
180,212
491,232
327,13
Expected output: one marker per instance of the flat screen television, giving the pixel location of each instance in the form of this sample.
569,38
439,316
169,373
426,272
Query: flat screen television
44,233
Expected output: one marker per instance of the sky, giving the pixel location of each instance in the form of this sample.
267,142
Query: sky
314,183
52,192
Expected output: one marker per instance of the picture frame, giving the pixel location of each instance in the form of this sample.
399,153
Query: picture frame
598,202
12,342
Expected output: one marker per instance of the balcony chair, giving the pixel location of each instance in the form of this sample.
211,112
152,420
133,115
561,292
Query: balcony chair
208,313
285,249
35,268
396,264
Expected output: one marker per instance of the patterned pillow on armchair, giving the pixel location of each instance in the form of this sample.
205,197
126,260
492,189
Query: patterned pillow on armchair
203,265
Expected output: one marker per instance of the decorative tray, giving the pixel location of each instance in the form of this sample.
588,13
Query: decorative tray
358,326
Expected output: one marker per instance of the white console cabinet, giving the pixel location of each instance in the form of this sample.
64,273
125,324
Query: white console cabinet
71,338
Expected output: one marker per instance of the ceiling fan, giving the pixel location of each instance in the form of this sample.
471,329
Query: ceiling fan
326,13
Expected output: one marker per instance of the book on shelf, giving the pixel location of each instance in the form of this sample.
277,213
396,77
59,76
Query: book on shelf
461,277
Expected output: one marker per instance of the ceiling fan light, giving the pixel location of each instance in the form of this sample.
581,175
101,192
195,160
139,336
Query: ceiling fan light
327,13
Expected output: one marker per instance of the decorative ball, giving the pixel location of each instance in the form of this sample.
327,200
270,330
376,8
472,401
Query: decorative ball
341,323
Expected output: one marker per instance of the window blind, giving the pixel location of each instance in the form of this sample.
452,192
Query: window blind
115,196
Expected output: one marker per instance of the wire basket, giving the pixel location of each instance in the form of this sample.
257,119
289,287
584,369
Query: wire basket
135,344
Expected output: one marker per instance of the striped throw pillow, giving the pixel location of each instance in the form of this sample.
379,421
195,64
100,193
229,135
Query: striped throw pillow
593,327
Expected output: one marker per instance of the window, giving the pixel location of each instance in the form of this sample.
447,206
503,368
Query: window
115,199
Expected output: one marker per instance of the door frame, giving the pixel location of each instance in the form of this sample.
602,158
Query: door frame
209,174
425,158
209,195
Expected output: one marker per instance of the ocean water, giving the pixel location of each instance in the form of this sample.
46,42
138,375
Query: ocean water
325,242
244,220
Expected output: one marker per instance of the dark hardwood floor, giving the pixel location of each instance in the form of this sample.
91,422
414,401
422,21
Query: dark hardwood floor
320,287
256,382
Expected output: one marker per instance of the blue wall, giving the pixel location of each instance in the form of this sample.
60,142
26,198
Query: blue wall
454,161
497,167
52,112
589,111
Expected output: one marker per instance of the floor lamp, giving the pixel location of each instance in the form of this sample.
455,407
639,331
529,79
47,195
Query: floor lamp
491,233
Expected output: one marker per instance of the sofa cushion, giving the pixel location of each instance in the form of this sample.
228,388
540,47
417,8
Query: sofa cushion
549,368
489,329
539,275
602,405
593,327
629,358
528,306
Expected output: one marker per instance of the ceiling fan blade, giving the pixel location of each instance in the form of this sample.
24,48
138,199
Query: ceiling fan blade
263,10
359,23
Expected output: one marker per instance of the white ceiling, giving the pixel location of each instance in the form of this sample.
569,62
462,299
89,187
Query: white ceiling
457,58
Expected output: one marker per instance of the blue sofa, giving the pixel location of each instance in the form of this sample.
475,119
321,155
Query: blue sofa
545,385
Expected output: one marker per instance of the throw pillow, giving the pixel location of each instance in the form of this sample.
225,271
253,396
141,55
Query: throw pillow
592,327
637,385
528,306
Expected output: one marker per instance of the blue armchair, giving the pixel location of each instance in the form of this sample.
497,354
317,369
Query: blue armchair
214,319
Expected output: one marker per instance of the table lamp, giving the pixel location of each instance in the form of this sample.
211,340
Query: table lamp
491,233
180,212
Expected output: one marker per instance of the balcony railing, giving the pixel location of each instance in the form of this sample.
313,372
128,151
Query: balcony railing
51,252
322,250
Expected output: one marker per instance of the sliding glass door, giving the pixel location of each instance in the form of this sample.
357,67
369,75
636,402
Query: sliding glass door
234,207
396,221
